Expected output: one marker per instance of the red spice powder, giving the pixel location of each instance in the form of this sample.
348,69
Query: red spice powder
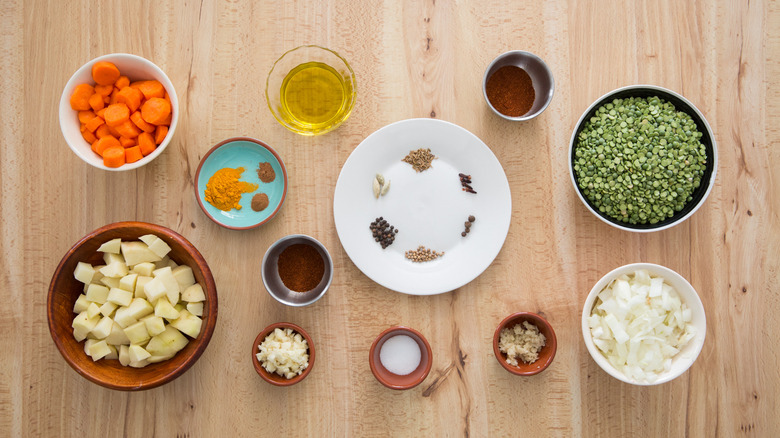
510,90
301,267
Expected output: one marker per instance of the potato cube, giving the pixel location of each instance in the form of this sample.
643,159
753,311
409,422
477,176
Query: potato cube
93,310
81,304
159,247
111,246
180,306
140,283
144,269
124,355
128,282
110,281
137,353
172,264
84,272
123,317
119,296
154,324
139,364
188,324
149,239
139,308
195,308
88,345
114,353
137,252
166,343
108,308
169,281
164,309
162,263
109,258
97,293
117,335
183,275
99,350
103,328
84,323
114,269
80,334
193,294
154,289
137,333
98,275
156,359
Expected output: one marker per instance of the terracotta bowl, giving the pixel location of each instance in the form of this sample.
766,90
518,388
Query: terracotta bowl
64,289
547,354
274,378
394,381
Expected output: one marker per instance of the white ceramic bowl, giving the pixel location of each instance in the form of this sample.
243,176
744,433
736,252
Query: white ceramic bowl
685,358
134,67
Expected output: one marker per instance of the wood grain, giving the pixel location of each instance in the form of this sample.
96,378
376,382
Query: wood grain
412,59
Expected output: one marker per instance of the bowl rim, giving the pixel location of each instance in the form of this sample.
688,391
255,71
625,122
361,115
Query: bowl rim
223,143
261,337
64,110
352,101
373,363
207,331
328,263
551,343
690,296
537,58
654,88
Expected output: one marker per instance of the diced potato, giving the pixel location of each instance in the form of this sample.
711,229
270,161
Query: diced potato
99,350
111,246
88,345
137,353
162,263
97,293
188,324
166,343
139,364
137,333
81,304
193,294
84,323
114,353
84,272
93,310
169,281
103,328
140,283
159,247
154,324
128,282
180,306
98,275
123,317
139,308
183,275
108,308
137,252
172,264
124,355
164,309
114,269
109,258
149,239
156,359
144,269
119,296
80,334
154,289
195,308
117,336
110,281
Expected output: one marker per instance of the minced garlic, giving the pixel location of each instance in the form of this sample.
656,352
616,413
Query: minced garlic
284,352
521,341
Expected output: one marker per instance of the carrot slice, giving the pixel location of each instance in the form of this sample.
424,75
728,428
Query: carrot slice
140,122
89,137
152,89
94,146
86,116
114,156
102,131
114,132
101,113
105,73
133,154
122,82
127,142
160,133
106,142
156,110
130,97
117,114
107,99
94,123
112,98
96,102
104,90
128,129
146,143
79,100
83,127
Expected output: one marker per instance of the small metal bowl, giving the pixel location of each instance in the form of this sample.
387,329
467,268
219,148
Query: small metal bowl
541,78
270,272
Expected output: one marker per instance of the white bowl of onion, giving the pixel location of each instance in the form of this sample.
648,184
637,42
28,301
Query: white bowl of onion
643,324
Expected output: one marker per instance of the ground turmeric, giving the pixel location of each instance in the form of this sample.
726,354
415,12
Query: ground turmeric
224,190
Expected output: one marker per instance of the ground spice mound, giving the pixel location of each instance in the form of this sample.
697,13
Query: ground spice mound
301,267
266,172
510,91
224,190
259,202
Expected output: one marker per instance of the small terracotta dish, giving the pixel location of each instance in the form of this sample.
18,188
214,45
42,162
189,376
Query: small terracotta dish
273,378
269,271
65,289
395,381
247,153
547,354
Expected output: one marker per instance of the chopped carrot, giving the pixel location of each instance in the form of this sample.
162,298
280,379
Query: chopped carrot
107,99
105,73
101,113
94,146
79,100
130,97
146,143
133,154
151,89
88,136
112,98
156,110
127,142
139,122
160,133
104,90
117,114
102,131
114,132
105,143
128,129
114,156
96,102
94,123
122,82
86,116
83,127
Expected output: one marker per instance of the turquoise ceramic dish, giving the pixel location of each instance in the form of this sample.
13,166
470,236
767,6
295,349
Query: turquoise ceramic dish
247,153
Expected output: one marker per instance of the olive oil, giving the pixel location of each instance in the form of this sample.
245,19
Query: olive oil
314,97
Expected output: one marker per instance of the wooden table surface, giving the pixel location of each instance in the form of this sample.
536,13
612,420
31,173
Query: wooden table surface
411,59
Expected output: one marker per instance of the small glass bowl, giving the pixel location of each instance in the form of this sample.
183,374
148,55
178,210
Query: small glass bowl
293,59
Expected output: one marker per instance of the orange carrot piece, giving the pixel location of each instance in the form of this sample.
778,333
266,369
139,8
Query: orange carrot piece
122,82
106,99
102,131
94,146
105,143
128,129
105,73
133,154
86,116
156,110
89,137
112,98
114,132
83,127
104,90
101,113
130,97
152,89
94,123
96,102
146,143
114,156
79,100
139,122
127,142
117,114
160,133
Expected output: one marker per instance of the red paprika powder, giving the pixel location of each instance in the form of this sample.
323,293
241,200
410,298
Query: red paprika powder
301,267
510,90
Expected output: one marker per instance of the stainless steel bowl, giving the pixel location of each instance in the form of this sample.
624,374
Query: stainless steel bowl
541,78
270,272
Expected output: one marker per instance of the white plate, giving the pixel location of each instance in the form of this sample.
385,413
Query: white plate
428,208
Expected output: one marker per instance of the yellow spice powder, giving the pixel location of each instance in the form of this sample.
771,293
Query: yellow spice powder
224,190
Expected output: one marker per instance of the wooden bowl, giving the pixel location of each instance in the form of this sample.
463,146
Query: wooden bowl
546,355
64,289
395,381
274,378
